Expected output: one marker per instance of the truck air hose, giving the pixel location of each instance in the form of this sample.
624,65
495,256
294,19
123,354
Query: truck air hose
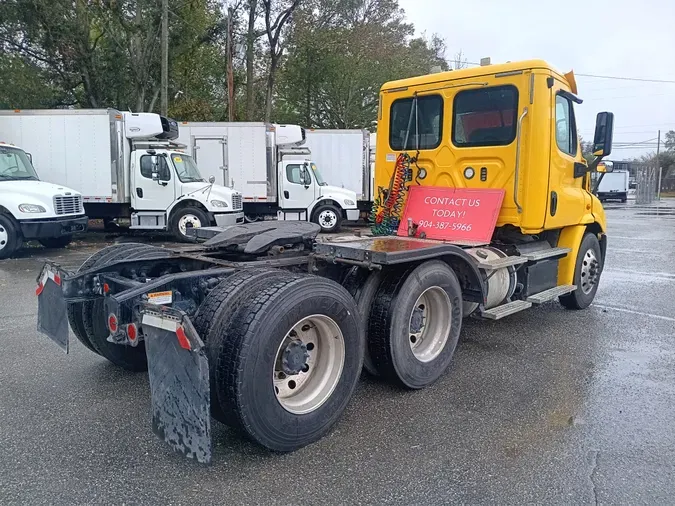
388,207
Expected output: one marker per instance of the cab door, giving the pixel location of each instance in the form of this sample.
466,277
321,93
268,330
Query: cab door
566,195
153,183
298,187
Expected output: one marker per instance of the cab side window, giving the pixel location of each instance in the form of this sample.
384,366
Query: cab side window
150,163
297,174
565,126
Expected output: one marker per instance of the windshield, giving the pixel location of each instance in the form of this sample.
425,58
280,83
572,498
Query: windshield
15,165
186,168
317,175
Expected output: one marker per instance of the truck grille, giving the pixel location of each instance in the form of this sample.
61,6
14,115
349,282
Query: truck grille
236,201
67,204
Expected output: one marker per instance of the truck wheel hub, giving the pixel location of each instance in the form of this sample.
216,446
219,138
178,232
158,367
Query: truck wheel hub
590,271
3,237
294,357
417,320
327,219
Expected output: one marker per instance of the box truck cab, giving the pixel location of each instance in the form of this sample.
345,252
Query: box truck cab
34,209
273,169
127,166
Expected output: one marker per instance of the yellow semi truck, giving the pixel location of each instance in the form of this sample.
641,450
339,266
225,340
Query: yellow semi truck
266,328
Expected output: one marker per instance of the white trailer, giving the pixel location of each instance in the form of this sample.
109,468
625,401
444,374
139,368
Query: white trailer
614,186
126,166
345,159
273,169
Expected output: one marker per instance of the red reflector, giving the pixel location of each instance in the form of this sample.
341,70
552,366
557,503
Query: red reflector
39,289
182,338
106,288
112,323
57,279
132,334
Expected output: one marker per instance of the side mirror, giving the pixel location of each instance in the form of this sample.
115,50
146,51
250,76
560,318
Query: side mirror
212,179
30,157
604,132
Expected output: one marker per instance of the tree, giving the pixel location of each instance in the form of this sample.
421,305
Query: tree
459,61
274,30
340,54
669,142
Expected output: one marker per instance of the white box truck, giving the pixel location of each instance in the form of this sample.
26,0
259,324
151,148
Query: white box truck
272,168
614,186
126,166
34,209
345,158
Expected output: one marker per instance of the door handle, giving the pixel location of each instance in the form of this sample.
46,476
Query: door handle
139,192
554,203
286,194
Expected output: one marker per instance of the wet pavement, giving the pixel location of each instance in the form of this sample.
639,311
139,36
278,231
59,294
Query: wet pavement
545,406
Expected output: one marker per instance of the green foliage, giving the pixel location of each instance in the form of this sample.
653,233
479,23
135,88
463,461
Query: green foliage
333,56
340,54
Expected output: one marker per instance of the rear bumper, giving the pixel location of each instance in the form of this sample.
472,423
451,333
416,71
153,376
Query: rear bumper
229,219
56,227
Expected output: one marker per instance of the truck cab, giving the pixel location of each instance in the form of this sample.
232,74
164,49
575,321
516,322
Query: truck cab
508,127
167,189
33,209
303,192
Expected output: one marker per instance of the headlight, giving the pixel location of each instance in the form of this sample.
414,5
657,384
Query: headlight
31,208
349,202
219,203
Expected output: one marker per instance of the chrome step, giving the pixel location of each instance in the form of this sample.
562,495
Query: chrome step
500,263
535,256
550,294
499,312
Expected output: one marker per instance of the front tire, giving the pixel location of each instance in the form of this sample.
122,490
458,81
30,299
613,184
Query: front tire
587,272
415,323
57,242
328,217
10,237
185,218
290,361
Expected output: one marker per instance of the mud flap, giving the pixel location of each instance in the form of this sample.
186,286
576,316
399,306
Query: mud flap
52,312
179,382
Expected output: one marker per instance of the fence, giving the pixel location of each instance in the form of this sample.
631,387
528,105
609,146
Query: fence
647,179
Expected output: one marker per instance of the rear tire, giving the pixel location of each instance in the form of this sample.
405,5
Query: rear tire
185,218
56,242
75,309
415,323
247,378
587,273
218,308
363,286
328,217
10,236
94,319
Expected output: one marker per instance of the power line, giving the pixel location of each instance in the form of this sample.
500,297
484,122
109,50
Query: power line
617,78
596,76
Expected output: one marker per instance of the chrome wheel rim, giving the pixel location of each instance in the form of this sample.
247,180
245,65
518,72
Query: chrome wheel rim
308,364
430,322
188,220
590,271
4,237
327,219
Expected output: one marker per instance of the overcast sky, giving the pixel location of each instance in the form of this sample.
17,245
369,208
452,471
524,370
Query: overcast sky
604,37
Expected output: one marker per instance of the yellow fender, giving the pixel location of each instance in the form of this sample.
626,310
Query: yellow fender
571,237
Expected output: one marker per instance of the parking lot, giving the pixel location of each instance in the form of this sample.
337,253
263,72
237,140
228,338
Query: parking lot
546,406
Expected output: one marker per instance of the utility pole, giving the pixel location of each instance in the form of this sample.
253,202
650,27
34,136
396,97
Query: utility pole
658,166
165,58
230,70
